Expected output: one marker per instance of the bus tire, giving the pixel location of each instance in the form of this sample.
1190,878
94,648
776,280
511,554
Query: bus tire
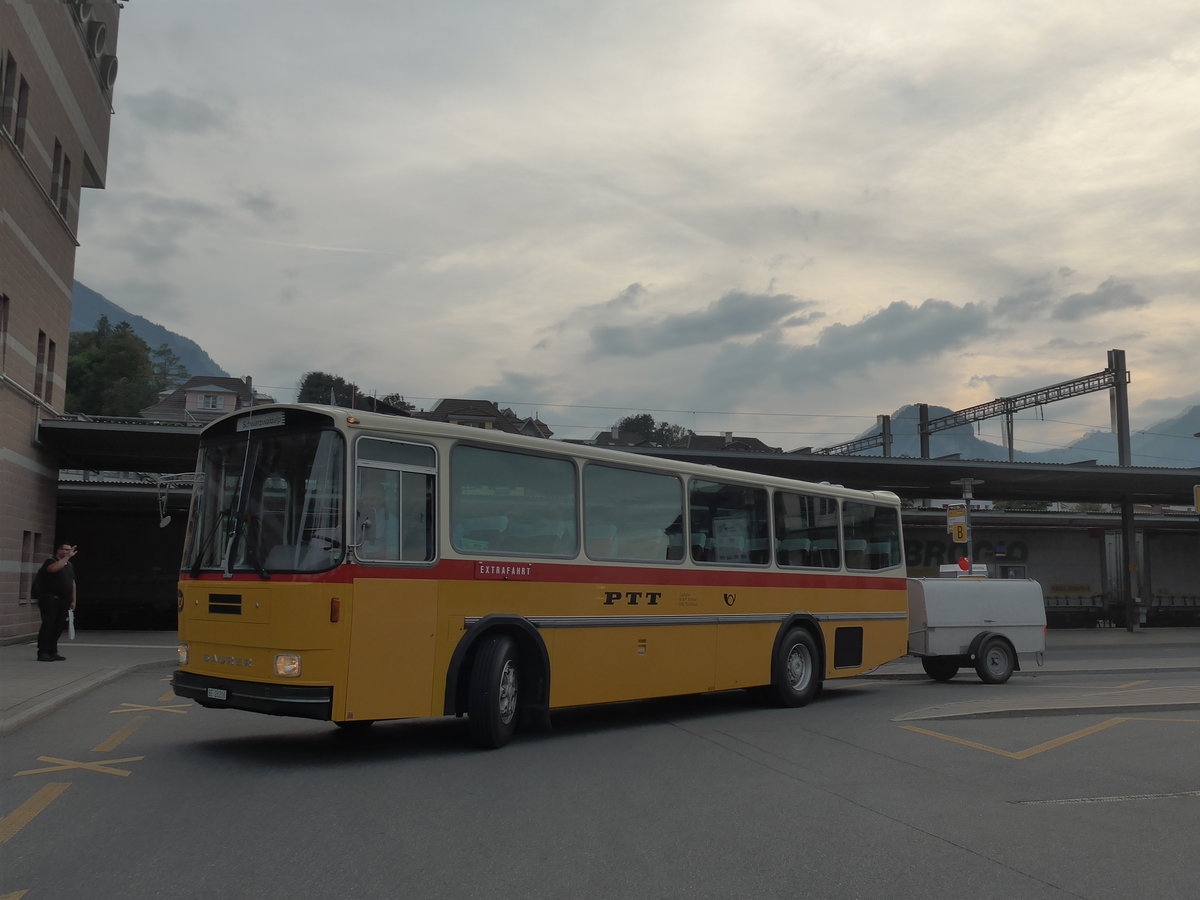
995,661
940,668
794,676
492,704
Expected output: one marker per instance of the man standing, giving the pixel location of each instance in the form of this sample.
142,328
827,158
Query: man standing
58,596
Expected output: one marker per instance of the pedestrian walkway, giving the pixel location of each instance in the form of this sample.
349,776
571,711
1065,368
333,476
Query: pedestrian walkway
29,689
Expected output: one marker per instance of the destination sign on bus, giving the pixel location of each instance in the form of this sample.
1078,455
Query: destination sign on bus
266,420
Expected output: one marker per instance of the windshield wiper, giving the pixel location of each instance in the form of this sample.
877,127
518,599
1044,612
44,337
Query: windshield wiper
255,560
207,542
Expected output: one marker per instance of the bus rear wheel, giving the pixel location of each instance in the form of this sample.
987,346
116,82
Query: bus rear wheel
493,694
794,677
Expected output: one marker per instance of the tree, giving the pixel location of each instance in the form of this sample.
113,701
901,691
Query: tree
169,371
321,387
109,372
662,433
397,401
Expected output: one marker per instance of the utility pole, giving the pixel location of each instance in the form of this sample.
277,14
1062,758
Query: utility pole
1119,400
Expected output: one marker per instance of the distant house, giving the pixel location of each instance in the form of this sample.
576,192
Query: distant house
484,414
726,441
615,438
203,398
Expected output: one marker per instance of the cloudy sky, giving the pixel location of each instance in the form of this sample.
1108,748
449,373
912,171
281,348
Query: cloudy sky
772,217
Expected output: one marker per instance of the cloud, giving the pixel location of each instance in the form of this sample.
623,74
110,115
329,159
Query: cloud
163,110
1110,296
900,332
737,314
1034,297
477,182
895,339
262,205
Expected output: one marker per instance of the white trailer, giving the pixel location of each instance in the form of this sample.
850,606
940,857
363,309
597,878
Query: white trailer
957,622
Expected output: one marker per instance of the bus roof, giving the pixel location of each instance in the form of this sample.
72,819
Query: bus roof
355,421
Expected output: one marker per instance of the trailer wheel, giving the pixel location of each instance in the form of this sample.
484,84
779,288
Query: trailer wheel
995,662
492,704
794,678
940,668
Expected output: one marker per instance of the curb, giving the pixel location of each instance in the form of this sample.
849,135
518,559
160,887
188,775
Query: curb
1066,709
35,709
1022,673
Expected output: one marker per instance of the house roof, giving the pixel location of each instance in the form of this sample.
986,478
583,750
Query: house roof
173,407
725,442
469,412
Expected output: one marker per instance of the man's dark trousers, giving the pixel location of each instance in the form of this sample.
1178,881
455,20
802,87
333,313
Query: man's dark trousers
54,619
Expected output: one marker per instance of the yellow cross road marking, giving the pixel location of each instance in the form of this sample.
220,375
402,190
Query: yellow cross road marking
27,811
115,741
1023,754
105,765
169,695
15,895
1047,745
180,709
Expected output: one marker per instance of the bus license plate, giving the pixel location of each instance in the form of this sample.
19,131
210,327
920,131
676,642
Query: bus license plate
217,694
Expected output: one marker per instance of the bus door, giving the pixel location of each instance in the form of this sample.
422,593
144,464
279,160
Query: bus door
394,608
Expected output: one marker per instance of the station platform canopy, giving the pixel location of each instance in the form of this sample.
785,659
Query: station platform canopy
911,478
136,445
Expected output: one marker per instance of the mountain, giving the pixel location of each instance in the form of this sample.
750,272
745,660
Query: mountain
87,307
1168,444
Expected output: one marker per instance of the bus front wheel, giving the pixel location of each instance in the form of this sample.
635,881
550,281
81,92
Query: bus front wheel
492,704
794,677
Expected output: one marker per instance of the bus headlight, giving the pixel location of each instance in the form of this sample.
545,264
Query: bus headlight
182,650
287,665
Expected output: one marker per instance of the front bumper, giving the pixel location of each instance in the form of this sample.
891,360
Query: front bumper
299,701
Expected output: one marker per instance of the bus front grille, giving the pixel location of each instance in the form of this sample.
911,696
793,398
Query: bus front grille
225,604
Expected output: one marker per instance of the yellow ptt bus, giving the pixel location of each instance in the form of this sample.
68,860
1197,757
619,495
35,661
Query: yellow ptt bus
352,567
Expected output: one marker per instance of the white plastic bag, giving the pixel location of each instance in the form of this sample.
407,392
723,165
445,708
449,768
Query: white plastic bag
71,624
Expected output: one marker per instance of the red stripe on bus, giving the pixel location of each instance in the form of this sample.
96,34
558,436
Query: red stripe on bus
596,573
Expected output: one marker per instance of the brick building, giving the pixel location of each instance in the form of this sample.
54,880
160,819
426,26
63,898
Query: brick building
57,70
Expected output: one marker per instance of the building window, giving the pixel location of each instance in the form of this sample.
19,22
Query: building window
8,92
22,112
56,177
39,375
64,194
48,394
3,331
60,181
210,401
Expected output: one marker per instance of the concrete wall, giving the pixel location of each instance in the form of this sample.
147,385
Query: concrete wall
68,107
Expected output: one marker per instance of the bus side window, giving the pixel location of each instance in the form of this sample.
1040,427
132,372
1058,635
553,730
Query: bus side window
502,501
632,516
872,536
730,523
805,531
378,519
394,513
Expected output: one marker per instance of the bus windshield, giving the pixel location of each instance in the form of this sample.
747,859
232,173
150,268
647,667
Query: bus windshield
268,502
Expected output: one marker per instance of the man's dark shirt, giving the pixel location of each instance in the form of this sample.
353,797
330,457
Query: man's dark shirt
60,582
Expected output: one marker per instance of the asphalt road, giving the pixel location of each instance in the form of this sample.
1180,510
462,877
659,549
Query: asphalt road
130,792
